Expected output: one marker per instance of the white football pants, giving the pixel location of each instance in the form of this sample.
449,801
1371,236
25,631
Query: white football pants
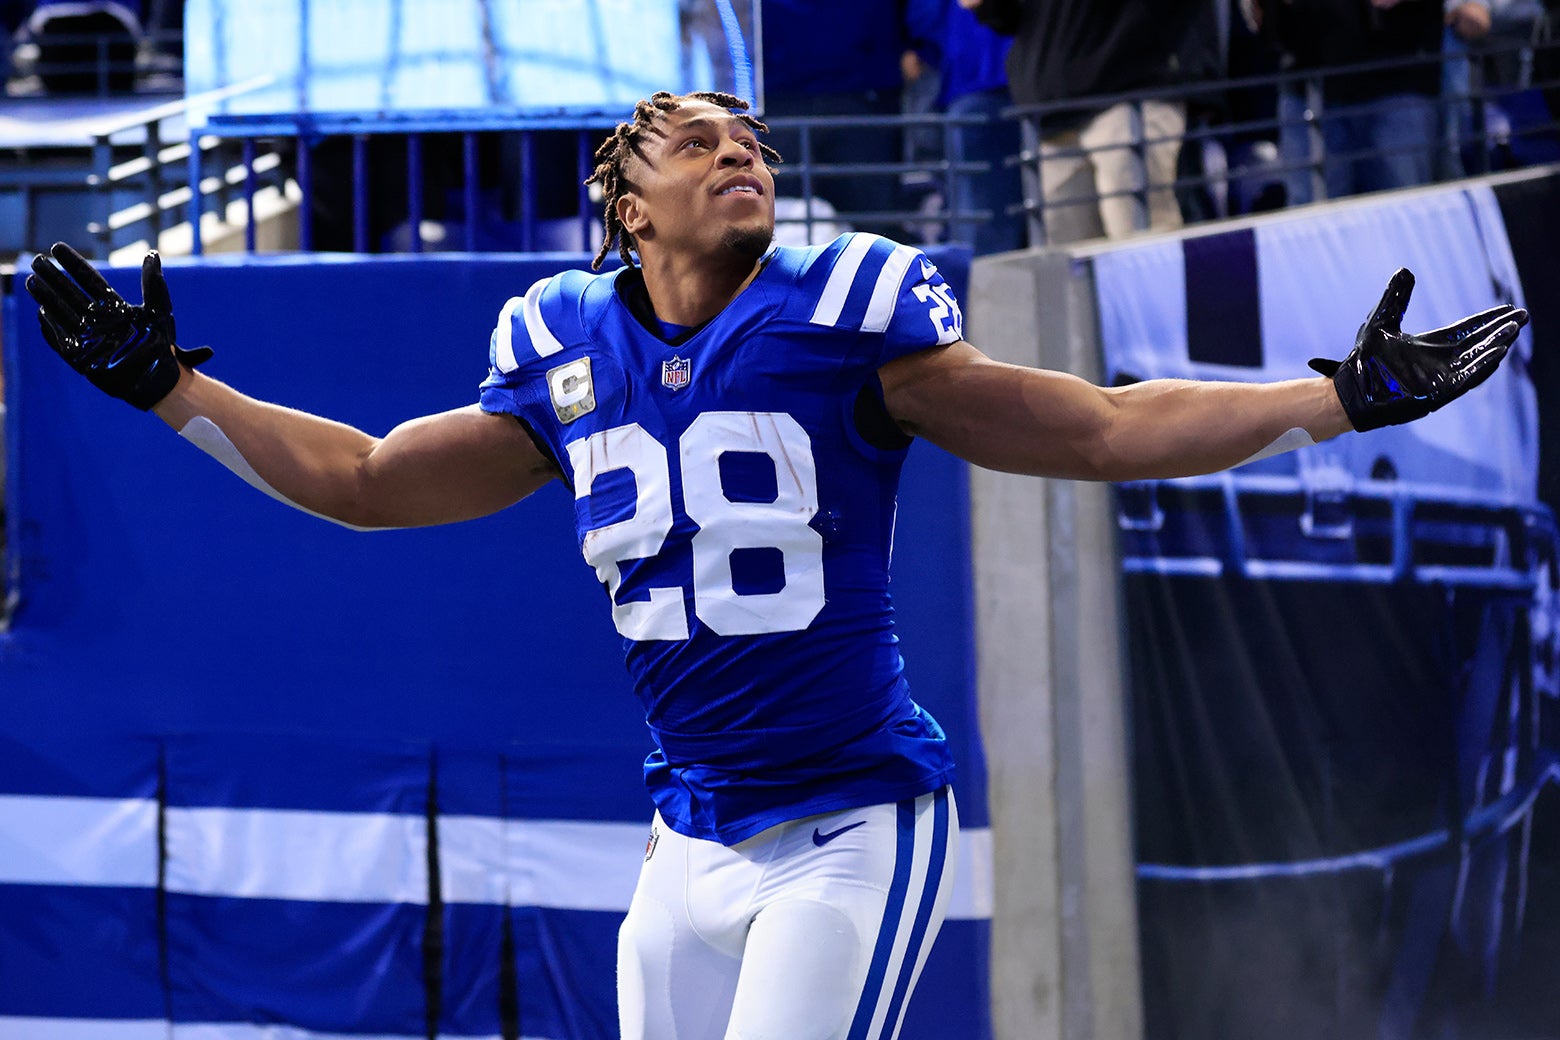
815,929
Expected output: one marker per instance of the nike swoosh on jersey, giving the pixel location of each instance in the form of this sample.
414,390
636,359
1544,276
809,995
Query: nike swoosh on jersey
820,839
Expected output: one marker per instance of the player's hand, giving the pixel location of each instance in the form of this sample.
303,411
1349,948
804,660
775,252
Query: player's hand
126,351
1393,377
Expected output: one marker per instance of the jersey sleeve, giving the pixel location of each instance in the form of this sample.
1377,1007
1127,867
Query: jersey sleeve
890,293
525,344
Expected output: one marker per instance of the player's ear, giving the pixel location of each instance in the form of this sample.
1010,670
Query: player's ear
632,213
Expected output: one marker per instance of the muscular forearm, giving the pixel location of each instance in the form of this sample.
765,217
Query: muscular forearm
1044,423
1171,428
436,469
316,464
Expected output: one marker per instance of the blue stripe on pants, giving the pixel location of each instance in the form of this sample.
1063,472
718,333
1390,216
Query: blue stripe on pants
923,914
903,855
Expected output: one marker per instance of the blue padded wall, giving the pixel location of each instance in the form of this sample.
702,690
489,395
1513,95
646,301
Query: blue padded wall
163,603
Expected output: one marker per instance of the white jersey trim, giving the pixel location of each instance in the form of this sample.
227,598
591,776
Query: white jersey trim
504,350
885,293
831,302
542,339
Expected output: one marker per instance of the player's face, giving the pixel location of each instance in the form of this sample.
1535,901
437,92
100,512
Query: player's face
704,185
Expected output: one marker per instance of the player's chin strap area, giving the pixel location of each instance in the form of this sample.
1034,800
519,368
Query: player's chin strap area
1289,440
209,438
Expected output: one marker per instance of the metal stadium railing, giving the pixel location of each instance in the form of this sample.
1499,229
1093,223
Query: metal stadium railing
483,180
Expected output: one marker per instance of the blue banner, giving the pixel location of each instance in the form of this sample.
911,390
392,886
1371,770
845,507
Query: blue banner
1342,658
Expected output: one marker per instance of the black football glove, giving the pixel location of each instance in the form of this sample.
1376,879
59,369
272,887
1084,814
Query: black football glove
1393,377
127,352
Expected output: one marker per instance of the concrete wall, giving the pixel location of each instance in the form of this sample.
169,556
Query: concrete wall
1064,957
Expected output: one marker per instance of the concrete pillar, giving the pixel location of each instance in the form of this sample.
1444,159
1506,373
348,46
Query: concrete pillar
1052,694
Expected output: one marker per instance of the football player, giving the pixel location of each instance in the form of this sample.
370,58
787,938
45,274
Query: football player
732,417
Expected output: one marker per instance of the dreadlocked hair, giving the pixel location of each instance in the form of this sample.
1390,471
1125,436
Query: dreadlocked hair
628,139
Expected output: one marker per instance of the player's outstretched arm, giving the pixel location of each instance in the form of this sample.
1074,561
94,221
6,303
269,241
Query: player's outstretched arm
436,469
1032,421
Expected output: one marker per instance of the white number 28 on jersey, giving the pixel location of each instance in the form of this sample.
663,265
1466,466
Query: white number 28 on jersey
724,525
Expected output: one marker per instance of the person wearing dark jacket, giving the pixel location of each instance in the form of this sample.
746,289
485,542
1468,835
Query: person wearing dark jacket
1378,126
1105,169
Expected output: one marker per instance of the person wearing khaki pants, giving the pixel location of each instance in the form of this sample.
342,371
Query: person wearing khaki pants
1068,63
1114,174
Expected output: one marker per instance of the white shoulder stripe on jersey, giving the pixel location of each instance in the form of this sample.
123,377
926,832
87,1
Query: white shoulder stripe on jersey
542,339
832,300
505,348
885,294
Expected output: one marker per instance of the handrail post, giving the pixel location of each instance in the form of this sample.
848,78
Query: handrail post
1033,177
953,183
527,192
306,189
469,186
804,140
249,194
1137,127
360,193
192,166
154,179
103,195
1316,140
1477,128
414,189
585,166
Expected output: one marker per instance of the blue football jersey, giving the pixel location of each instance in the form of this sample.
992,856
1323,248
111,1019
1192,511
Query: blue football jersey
741,523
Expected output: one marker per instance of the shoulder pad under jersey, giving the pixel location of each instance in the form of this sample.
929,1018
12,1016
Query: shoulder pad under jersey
554,314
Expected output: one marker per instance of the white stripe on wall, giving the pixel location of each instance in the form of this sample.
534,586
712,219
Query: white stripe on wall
17,1028
291,854
570,864
563,864
971,898
579,865
832,300
267,1031
47,840
358,857
471,854
248,1031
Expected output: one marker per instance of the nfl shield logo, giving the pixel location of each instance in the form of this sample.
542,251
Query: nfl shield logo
676,372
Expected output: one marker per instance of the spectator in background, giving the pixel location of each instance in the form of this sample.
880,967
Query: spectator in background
838,59
974,83
1099,166
1489,34
1378,127
921,73
13,14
